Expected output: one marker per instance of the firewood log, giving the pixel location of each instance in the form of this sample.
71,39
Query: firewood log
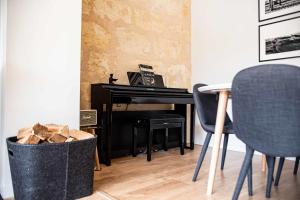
41,131
70,139
80,135
33,139
57,138
29,139
58,129
23,132
23,140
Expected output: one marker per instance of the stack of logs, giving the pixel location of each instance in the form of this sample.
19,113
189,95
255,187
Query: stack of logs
50,133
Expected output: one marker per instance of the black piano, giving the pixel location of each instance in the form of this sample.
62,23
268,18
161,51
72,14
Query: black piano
103,96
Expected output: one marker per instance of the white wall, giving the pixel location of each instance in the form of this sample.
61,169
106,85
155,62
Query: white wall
224,41
3,6
42,82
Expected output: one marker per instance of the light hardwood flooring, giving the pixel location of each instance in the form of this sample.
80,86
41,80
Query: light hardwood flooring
169,177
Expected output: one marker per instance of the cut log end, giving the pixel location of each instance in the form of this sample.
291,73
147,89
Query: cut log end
30,139
57,138
80,135
58,129
41,131
23,132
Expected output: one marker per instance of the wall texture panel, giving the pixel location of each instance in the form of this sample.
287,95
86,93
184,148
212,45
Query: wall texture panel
117,35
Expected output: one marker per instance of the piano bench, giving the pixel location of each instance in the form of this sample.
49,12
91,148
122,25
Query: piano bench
161,121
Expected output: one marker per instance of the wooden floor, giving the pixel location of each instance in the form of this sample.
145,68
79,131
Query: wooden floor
169,177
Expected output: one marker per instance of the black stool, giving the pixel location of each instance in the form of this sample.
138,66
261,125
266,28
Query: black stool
162,121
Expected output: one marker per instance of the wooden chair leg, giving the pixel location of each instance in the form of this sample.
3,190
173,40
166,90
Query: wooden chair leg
149,146
271,164
279,170
225,143
166,138
296,165
243,173
202,155
97,162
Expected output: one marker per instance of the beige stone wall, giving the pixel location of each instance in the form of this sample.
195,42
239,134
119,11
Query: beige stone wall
117,35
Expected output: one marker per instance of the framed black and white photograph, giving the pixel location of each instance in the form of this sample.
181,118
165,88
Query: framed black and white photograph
279,40
270,9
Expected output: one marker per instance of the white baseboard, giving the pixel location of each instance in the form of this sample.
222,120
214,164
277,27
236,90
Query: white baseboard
6,192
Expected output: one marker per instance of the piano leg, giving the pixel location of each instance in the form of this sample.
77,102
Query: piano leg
192,131
108,133
181,110
99,130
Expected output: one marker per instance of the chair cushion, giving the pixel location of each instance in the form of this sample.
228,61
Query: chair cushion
166,119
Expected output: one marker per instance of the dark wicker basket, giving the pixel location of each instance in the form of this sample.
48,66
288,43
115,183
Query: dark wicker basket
52,170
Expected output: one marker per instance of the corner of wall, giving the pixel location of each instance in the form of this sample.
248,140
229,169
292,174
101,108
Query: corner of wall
5,188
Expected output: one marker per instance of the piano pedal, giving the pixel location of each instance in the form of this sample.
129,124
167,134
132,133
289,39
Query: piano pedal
142,150
155,148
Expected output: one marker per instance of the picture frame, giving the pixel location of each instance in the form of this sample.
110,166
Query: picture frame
279,40
270,9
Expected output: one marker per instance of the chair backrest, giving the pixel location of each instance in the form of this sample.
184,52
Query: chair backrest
266,108
206,105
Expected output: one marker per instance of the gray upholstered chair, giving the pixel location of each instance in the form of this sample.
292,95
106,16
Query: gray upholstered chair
280,166
206,106
266,113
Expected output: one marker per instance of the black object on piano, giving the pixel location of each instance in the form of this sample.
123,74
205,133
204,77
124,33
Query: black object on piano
135,79
111,79
147,74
